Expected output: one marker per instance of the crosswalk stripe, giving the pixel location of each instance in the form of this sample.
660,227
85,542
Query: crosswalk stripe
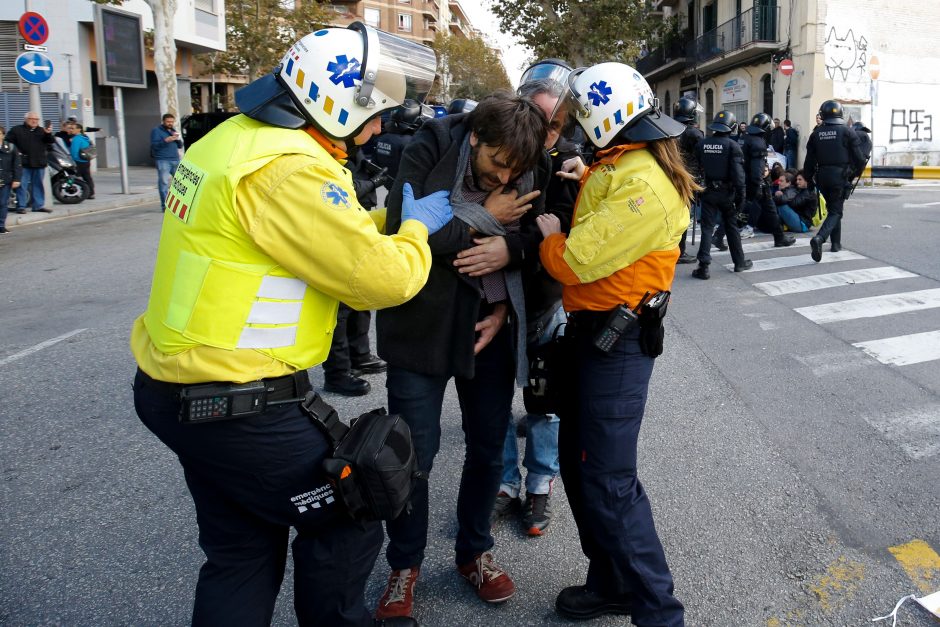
759,247
904,350
920,562
834,279
793,261
872,306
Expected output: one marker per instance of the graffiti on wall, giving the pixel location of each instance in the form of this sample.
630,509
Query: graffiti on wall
846,55
911,125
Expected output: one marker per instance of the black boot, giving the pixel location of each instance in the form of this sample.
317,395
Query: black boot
370,364
783,239
834,248
701,272
579,603
815,245
747,264
347,385
720,244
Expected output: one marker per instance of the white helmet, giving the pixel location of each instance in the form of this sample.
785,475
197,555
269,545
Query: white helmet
612,98
337,79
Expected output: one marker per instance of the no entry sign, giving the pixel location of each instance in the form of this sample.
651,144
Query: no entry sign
786,67
34,28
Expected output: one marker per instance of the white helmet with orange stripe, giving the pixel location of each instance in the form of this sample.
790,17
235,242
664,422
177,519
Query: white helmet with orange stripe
612,101
337,79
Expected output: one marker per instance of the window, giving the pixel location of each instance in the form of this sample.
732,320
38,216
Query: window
404,1
739,109
768,90
206,5
709,105
105,98
667,105
404,22
373,17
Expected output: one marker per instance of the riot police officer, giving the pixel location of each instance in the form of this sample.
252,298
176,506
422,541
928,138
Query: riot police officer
684,111
402,124
763,211
864,138
721,163
833,158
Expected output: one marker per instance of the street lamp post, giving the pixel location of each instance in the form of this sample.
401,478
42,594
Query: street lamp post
874,71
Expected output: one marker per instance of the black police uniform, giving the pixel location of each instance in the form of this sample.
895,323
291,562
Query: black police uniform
763,212
687,144
722,166
833,158
388,149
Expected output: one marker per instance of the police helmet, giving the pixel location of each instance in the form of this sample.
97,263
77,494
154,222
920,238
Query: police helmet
461,105
338,79
724,122
684,110
858,126
760,124
831,112
406,117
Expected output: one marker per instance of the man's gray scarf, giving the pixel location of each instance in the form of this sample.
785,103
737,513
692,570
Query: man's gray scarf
480,219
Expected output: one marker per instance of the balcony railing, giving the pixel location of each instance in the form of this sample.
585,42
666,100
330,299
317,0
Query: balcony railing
760,24
663,56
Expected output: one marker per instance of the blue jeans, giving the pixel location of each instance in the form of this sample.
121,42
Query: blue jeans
166,168
791,219
541,443
4,201
790,154
485,403
598,448
32,181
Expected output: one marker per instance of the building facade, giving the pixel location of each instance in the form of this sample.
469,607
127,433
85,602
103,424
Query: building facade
727,54
419,20
73,89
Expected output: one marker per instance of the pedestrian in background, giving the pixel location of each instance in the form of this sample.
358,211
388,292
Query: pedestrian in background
32,141
791,142
777,136
65,132
165,146
78,147
685,111
11,170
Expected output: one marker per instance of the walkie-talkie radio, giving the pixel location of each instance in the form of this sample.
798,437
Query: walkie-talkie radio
212,401
621,320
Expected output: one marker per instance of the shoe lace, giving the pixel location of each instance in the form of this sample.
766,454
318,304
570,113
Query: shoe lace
397,586
487,569
539,503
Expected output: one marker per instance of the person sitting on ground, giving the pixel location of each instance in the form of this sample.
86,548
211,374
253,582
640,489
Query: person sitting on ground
805,203
783,198
775,173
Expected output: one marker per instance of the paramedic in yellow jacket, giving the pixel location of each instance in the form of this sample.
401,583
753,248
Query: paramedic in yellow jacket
261,239
622,248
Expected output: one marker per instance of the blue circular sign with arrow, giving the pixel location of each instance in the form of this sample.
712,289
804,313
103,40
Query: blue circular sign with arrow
34,67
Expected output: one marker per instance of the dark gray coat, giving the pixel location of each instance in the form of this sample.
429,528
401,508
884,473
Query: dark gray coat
433,333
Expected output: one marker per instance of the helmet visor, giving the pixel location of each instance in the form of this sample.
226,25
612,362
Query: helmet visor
546,70
404,69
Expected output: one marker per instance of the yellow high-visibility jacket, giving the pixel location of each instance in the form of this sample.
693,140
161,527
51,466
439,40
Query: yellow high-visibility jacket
261,239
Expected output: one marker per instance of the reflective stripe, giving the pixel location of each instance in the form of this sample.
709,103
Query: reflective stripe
281,288
267,337
274,312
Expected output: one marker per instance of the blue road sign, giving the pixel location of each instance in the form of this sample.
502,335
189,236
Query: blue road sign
34,67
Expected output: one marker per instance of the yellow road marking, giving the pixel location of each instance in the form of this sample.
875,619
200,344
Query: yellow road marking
839,583
920,562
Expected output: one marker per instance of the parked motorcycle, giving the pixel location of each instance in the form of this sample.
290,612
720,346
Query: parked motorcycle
67,186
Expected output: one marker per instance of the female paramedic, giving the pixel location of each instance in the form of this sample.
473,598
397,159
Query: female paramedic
616,264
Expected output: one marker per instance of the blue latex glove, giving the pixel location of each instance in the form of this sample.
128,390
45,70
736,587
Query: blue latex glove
434,210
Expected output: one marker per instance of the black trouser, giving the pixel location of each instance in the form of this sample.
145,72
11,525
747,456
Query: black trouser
832,225
84,171
762,212
350,341
251,480
718,207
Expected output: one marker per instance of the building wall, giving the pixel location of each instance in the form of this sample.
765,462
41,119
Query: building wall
908,88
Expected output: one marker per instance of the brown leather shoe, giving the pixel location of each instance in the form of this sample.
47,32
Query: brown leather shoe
492,582
399,596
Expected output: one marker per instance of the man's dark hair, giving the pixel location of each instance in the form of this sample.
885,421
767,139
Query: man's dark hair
514,124
168,115
787,123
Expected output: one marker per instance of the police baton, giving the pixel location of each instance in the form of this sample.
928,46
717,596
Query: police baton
857,179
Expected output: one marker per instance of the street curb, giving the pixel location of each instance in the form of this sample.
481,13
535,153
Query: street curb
134,199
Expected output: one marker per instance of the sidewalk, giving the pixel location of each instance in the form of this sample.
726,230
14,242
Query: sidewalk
142,182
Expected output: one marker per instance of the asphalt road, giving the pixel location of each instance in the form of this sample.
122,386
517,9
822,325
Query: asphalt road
793,476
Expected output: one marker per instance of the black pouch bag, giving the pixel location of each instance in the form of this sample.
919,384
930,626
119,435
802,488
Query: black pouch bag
373,466
651,324
544,387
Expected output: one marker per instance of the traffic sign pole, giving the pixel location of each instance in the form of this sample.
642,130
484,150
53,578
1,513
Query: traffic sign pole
35,101
122,147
